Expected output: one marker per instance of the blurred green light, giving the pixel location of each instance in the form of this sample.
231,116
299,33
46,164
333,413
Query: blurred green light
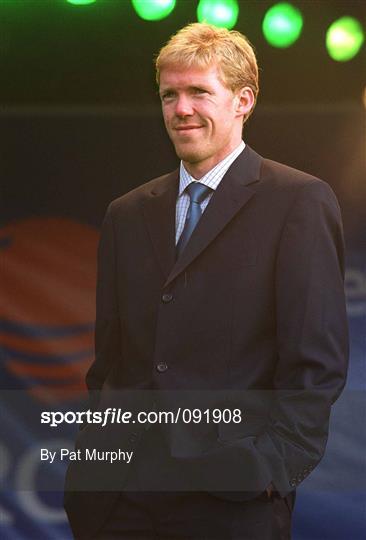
282,25
223,13
344,39
153,10
81,2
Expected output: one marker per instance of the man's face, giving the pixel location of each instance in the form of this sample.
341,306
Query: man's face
202,116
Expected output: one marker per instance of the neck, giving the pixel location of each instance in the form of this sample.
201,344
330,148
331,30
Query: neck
199,169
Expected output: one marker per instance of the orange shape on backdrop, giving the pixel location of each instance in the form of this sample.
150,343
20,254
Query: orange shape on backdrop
48,278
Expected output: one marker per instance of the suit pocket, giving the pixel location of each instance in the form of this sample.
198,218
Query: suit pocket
249,427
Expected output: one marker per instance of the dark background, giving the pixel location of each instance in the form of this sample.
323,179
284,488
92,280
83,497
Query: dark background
79,103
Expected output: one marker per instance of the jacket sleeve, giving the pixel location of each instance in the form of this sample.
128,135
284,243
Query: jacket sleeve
107,327
312,336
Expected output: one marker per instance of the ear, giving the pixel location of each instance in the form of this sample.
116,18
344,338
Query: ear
244,101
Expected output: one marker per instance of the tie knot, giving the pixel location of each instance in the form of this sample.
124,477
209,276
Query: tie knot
197,192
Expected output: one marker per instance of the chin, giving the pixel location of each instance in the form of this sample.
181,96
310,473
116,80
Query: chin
190,156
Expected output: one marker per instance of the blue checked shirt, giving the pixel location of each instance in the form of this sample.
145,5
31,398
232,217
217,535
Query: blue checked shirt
211,179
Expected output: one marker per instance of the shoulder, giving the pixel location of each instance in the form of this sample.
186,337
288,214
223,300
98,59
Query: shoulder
277,178
140,194
294,184
283,176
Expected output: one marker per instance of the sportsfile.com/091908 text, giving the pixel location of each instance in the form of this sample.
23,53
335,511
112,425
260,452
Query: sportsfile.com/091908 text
113,415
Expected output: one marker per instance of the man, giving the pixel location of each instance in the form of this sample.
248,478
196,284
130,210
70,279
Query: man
220,286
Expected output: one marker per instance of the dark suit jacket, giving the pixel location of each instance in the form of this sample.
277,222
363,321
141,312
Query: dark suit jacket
252,315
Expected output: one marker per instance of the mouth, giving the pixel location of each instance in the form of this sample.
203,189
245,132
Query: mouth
187,129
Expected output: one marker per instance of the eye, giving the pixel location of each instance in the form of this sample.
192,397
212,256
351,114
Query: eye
199,91
167,95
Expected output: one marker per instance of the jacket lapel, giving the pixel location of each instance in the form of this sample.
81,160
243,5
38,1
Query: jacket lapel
159,214
231,195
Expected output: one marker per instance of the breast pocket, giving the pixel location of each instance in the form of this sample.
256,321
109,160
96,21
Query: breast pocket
235,251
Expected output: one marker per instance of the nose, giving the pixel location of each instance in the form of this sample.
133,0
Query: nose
183,106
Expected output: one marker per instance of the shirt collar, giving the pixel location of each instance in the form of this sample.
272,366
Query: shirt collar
213,177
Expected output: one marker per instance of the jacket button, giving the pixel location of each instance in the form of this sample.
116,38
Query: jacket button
161,367
167,297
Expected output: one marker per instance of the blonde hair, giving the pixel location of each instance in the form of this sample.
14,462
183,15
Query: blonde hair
202,44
